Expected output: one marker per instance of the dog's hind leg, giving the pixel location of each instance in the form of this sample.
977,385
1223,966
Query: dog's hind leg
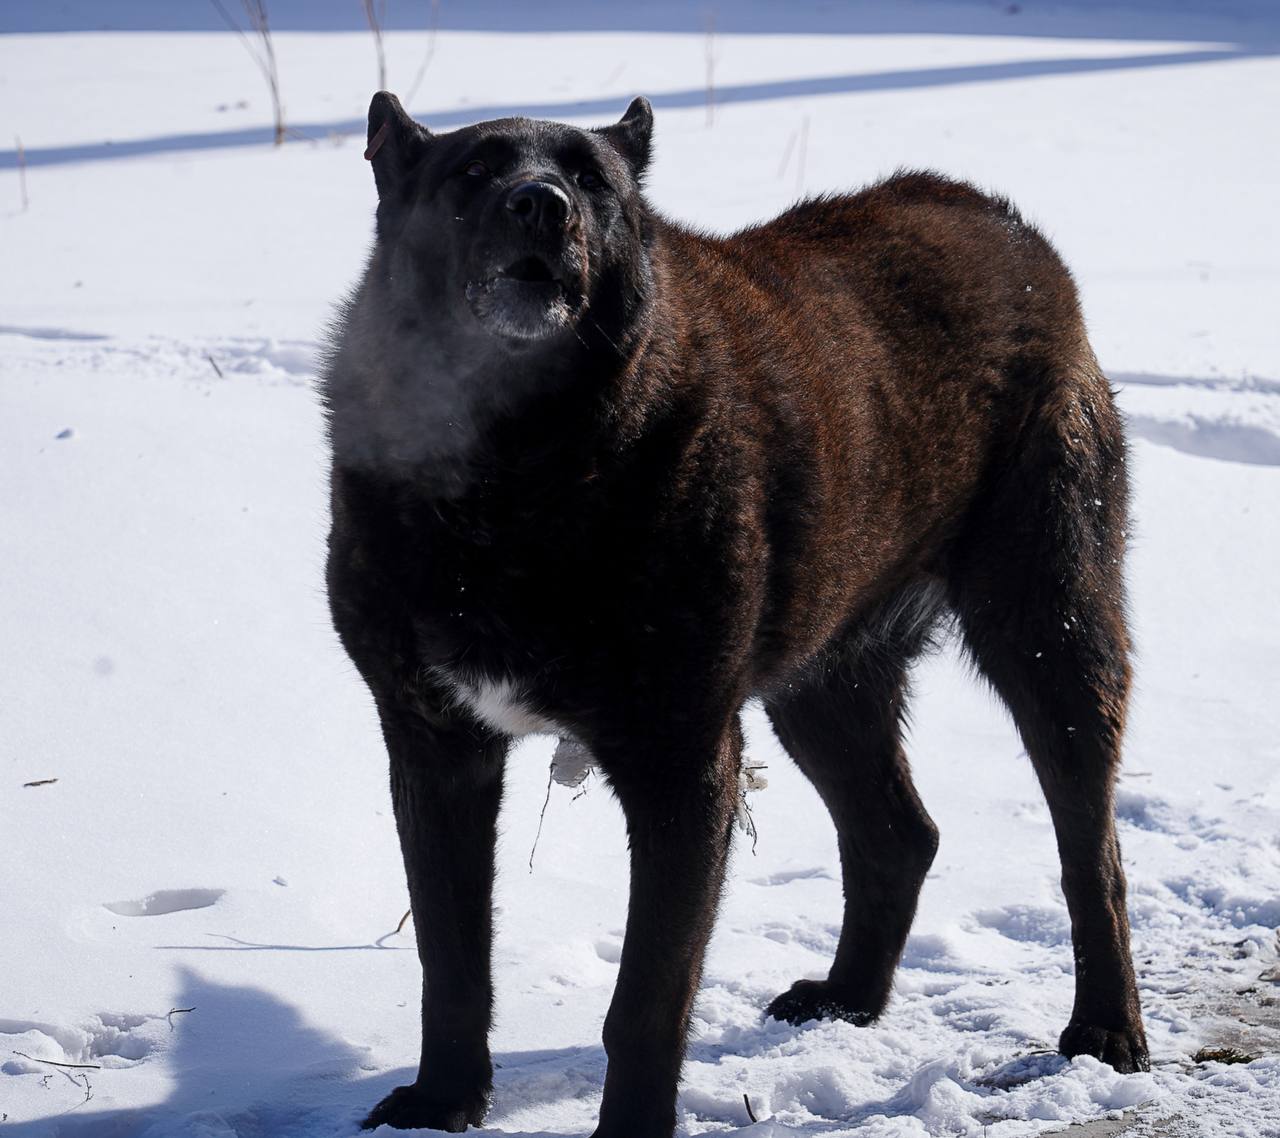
1037,586
842,725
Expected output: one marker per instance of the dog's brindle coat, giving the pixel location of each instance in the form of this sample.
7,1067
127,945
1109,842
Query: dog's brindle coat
599,474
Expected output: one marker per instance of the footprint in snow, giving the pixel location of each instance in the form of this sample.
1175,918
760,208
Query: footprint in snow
610,951
1143,811
106,1040
786,876
165,901
1028,924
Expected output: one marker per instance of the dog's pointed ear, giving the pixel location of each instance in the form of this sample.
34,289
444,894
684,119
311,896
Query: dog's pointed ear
631,135
396,142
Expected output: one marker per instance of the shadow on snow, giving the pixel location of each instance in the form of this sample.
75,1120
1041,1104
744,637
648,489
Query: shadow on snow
1081,19
609,107
244,1062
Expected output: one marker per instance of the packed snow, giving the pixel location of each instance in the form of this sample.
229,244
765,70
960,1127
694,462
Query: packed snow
202,887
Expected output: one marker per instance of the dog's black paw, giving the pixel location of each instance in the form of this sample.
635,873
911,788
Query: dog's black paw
408,1108
1124,1050
807,1000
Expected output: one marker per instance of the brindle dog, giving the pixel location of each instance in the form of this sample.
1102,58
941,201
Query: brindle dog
598,474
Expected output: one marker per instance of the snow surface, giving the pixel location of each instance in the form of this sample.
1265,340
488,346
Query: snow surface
203,905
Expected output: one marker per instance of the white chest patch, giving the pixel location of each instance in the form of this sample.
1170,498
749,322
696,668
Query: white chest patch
501,704
498,703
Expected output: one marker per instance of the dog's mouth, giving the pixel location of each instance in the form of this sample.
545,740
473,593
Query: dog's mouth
526,300
529,270
530,276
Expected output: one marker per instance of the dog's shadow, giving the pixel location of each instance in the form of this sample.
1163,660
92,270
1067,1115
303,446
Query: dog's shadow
245,1063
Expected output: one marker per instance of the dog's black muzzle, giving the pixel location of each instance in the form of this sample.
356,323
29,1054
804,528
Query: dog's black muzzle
540,207
533,278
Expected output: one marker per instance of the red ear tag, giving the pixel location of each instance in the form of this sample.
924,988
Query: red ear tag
375,143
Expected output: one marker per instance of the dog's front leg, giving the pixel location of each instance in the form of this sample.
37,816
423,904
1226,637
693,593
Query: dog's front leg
679,803
446,786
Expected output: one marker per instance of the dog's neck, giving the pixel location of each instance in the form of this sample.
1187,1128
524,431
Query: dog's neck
444,416
441,406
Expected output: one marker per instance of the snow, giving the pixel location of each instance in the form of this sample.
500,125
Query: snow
203,905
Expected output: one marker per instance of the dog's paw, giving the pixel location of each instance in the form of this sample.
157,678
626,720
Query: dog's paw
409,1108
807,1000
1124,1050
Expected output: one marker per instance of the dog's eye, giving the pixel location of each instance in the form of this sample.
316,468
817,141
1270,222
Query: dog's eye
475,169
590,180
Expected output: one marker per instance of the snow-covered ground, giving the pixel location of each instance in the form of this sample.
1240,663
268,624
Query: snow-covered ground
201,908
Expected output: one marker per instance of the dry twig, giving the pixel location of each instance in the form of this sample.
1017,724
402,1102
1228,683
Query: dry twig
426,59
375,13
173,1012
542,814
40,782
54,1063
256,11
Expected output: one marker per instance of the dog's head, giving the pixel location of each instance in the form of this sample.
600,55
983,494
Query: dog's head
511,228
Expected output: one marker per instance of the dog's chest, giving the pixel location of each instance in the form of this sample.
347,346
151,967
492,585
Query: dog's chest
502,703
505,705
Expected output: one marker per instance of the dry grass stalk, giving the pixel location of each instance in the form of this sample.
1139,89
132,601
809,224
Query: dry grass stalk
375,13
710,52
256,12
432,31
803,153
22,173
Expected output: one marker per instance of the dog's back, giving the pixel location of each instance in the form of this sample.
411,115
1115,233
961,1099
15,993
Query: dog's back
869,367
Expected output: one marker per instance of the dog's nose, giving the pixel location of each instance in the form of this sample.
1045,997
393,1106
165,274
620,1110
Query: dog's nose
540,205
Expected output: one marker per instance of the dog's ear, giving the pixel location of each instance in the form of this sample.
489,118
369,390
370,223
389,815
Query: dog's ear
396,143
630,136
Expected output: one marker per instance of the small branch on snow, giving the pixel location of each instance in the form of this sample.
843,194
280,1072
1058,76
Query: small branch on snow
213,364
173,1012
751,1114
381,942
54,1063
41,782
